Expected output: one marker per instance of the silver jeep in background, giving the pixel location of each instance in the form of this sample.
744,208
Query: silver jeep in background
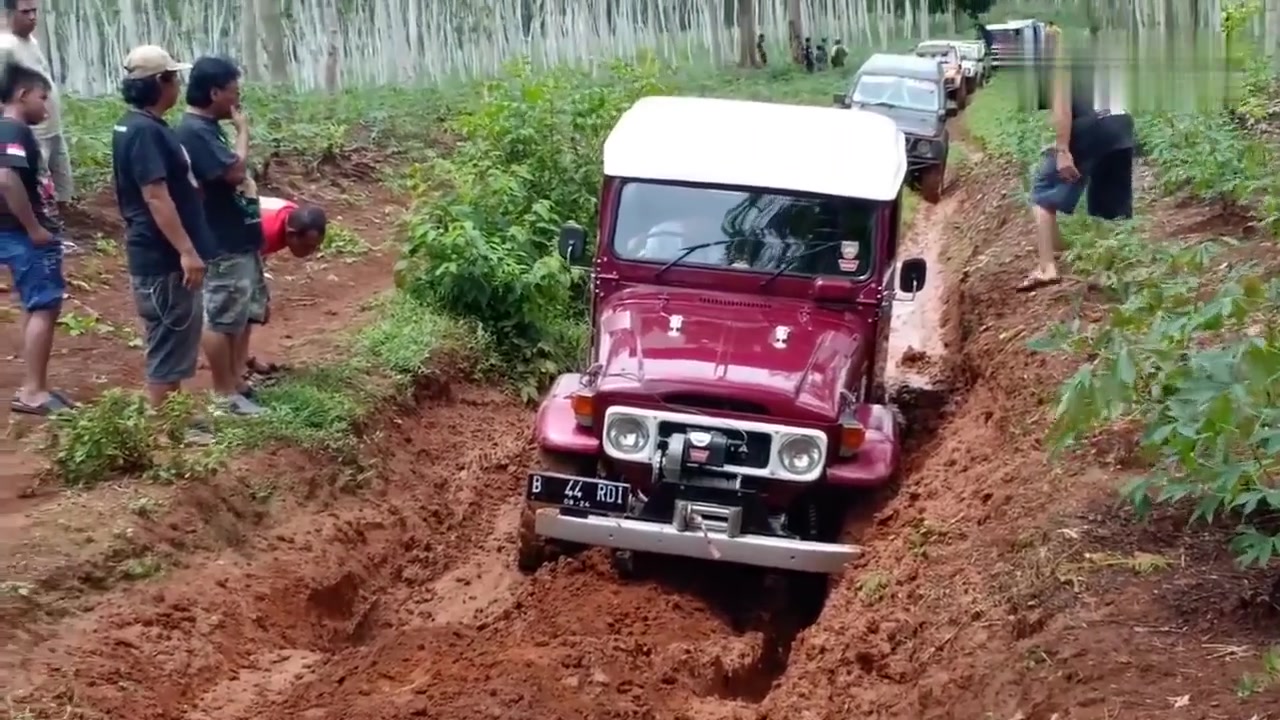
909,90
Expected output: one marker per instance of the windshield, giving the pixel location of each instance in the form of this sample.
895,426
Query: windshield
902,92
748,231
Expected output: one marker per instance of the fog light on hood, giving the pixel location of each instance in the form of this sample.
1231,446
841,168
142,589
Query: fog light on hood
627,434
800,454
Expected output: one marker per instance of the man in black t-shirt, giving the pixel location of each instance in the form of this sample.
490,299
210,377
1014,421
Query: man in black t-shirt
167,240
29,228
235,287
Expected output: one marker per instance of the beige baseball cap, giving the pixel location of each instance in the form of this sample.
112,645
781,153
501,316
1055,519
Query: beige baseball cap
147,61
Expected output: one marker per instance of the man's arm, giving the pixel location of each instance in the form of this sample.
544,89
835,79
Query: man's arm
211,159
1060,107
160,203
15,196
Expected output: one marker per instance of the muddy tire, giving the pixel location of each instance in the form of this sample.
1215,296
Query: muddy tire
962,96
931,182
970,85
532,551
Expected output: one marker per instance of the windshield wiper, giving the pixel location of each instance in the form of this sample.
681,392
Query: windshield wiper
686,253
792,261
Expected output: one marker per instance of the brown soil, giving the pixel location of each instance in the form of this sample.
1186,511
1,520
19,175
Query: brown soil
996,584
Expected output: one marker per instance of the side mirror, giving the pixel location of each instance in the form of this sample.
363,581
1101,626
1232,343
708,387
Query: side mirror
911,275
840,100
573,241
952,111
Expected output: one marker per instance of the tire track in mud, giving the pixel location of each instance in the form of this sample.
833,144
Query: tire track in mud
692,640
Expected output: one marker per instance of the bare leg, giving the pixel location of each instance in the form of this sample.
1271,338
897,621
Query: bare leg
240,357
37,345
157,393
1048,240
219,351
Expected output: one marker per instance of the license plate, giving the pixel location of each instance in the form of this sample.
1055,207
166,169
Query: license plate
569,491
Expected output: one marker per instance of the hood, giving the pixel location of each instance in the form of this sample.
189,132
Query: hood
910,122
784,354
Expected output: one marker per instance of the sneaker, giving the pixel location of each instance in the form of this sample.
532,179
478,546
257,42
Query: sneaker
240,405
199,436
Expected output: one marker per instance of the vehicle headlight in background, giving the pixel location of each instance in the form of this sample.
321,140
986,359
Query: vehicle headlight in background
627,434
800,454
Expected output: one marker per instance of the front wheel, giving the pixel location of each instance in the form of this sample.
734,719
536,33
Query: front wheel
962,96
931,181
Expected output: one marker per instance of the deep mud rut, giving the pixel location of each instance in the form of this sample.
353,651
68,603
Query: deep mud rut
405,603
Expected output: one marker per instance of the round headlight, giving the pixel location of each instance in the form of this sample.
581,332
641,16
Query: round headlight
799,454
627,434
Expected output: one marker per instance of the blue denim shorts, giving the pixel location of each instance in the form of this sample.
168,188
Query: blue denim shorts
172,315
1108,181
36,270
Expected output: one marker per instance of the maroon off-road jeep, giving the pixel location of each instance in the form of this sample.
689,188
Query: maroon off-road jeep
742,290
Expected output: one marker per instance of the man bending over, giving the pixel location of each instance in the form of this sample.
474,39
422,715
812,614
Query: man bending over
284,225
1093,148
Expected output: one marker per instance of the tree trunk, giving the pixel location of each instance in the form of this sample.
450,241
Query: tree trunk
747,34
795,31
271,26
333,52
250,41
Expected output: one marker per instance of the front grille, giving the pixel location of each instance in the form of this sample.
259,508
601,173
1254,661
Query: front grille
715,402
757,444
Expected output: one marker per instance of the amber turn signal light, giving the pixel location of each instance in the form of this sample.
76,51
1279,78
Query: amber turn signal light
583,405
851,438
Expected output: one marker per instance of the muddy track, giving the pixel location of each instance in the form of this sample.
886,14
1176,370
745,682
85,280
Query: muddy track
407,604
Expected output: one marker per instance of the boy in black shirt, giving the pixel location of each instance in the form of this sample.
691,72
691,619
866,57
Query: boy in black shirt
29,226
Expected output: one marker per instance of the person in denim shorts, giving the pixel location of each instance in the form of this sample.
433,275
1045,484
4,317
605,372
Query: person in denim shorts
29,227
1093,152
234,289
167,240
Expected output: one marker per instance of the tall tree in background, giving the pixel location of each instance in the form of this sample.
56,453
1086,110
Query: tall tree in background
795,31
271,25
250,40
747,56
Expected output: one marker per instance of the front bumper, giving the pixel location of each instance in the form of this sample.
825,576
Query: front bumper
694,542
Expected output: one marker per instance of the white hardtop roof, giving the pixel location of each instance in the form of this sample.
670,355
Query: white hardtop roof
797,148
1012,25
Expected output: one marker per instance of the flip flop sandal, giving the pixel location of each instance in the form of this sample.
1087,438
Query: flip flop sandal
44,409
1036,282
261,368
66,401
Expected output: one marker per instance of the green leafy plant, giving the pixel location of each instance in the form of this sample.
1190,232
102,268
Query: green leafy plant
120,434
486,249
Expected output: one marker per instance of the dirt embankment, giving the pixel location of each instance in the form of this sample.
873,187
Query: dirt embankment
975,599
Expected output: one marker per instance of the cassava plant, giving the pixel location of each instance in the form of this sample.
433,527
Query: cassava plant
485,249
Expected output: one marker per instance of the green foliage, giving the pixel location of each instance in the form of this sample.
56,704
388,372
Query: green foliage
120,434
311,126
319,408
530,160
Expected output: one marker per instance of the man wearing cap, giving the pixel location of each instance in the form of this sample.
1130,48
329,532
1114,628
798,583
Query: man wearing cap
166,236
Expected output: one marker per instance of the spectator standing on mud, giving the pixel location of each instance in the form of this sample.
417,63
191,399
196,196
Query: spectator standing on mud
29,229
235,291
18,43
166,236
1093,150
764,56
284,224
807,54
